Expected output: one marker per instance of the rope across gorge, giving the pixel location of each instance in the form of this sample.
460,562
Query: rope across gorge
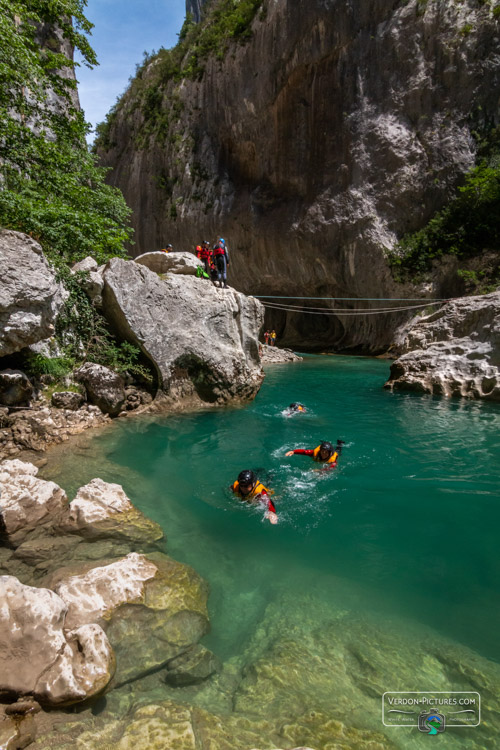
347,312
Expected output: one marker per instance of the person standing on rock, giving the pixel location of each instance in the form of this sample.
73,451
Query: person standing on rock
221,257
273,337
248,488
266,338
206,255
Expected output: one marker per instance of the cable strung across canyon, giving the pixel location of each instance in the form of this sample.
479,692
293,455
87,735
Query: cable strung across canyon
359,299
283,307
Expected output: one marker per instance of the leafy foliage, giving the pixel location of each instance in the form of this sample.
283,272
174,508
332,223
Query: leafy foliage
36,364
84,335
50,185
466,227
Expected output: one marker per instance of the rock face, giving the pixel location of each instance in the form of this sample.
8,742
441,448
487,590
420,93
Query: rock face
87,264
194,7
40,656
67,400
173,262
201,340
30,296
454,352
104,387
335,130
103,510
27,503
15,388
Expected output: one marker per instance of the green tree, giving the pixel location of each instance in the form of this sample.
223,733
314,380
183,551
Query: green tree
50,185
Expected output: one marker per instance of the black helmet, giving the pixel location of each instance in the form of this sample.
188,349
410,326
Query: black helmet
296,406
326,446
247,478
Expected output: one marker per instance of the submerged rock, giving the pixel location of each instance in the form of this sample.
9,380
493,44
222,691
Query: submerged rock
104,387
202,341
452,352
152,609
172,262
40,656
16,734
191,667
30,296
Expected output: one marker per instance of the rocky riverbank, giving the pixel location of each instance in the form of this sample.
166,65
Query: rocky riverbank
190,345
274,355
454,351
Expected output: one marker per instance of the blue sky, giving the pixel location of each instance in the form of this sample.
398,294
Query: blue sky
123,30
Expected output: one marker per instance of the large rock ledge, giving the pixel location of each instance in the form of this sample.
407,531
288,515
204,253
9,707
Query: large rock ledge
79,612
274,355
30,296
453,352
202,341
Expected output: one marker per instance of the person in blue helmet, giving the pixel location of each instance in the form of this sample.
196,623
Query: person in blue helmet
221,258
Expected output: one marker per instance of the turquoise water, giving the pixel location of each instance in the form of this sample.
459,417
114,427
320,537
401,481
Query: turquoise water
407,525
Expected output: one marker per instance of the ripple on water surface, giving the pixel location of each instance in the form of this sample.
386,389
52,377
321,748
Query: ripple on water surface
406,526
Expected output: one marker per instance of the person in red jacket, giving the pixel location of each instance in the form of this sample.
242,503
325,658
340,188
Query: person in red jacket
325,453
205,255
248,488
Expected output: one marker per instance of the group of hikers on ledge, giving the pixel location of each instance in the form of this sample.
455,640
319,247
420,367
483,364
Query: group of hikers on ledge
251,490
215,260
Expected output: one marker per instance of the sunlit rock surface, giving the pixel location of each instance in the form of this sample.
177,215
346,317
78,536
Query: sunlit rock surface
275,355
172,262
452,352
103,510
105,388
30,296
40,655
202,341
26,502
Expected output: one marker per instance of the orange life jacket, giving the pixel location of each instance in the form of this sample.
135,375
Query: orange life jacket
199,251
257,490
330,460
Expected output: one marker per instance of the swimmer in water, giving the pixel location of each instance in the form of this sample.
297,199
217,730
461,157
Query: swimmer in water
248,488
325,453
295,407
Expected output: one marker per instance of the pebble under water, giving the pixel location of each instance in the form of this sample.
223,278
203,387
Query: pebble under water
395,548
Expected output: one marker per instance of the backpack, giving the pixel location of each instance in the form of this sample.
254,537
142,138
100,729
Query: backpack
201,274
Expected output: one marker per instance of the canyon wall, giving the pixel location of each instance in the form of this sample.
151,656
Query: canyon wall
338,127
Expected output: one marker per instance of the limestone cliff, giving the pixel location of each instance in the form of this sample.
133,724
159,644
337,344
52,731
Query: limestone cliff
312,147
194,7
